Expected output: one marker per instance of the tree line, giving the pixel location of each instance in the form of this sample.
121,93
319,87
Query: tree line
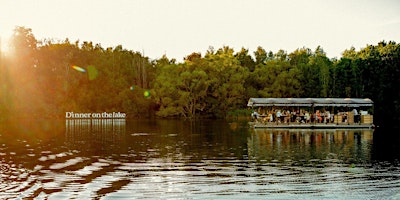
38,79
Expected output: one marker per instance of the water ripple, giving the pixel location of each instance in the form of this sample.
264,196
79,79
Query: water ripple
176,164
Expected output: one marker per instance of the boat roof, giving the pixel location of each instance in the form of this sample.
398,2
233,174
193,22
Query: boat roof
311,102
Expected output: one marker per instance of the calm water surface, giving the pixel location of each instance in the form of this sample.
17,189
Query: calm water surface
208,159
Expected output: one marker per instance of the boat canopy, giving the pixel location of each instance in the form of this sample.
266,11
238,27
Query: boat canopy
310,102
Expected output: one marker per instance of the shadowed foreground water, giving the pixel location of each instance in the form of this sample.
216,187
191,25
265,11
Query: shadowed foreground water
175,159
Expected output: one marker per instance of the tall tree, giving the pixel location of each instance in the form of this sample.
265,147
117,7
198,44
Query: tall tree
245,59
227,79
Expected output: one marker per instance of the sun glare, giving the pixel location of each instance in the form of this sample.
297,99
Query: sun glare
4,45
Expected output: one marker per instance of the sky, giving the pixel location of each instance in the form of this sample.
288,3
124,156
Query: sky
177,28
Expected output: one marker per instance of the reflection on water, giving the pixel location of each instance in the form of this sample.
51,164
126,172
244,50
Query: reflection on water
175,159
95,136
348,146
103,131
95,126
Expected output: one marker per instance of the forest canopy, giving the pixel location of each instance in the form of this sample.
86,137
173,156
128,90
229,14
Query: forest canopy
48,78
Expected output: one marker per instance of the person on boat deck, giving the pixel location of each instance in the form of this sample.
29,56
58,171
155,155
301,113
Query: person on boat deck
293,114
315,117
255,115
318,117
357,117
271,117
327,117
278,115
287,117
307,116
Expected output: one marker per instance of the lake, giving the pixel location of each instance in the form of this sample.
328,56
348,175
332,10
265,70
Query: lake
202,159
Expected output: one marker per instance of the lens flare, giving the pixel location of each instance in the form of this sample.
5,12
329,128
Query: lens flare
79,69
146,93
92,72
132,87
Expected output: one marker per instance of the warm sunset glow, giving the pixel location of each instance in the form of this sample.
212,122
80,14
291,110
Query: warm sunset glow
4,45
335,25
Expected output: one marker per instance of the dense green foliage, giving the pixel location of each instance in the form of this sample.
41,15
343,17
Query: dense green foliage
39,79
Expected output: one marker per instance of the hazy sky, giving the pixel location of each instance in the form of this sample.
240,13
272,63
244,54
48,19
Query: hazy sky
179,27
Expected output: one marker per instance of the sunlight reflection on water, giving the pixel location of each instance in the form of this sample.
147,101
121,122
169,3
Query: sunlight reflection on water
204,159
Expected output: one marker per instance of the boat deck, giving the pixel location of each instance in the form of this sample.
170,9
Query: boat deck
274,125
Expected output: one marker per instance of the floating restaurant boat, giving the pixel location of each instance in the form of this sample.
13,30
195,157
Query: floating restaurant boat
311,113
